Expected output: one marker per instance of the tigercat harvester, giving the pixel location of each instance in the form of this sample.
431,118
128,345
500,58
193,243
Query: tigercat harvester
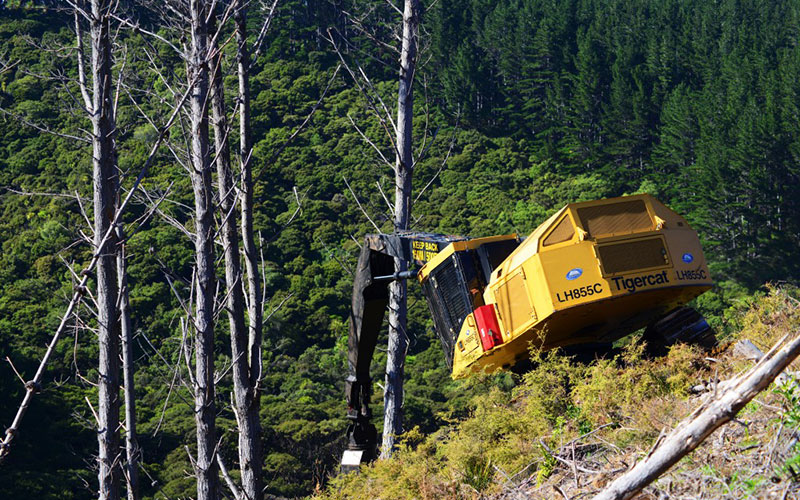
592,273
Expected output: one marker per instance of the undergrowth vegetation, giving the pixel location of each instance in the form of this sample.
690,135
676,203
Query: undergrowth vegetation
515,436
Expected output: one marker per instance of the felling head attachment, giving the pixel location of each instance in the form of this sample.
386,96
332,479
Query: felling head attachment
362,437
362,445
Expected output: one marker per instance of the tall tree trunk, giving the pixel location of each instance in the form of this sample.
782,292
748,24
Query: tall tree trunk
126,331
247,420
255,311
205,409
104,175
404,169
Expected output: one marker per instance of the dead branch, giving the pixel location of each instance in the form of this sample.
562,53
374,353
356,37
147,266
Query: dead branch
7,66
20,192
42,128
137,28
87,101
364,91
337,259
15,370
389,204
278,307
358,23
444,162
361,206
237,493
368,141
300,127
259,43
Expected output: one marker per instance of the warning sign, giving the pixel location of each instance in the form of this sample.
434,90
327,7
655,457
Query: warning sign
423,251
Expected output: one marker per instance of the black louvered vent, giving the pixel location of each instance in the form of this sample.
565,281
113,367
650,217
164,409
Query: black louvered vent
452,288
449,300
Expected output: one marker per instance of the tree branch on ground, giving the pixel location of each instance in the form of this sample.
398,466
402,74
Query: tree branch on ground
693,430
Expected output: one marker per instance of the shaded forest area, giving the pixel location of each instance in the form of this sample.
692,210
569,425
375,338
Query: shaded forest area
533,104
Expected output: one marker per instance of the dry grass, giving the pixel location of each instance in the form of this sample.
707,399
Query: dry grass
741,460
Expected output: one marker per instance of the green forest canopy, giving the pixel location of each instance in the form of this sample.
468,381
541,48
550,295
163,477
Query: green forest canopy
544,103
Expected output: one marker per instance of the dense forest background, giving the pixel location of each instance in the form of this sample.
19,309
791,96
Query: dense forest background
538,102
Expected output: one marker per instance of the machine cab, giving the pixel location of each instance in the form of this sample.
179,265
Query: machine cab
455,279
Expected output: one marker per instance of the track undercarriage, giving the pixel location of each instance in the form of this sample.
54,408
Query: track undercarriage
683,324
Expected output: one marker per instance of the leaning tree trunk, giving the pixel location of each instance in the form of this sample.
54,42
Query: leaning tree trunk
103,175
404,168
200,166
693,430
247,420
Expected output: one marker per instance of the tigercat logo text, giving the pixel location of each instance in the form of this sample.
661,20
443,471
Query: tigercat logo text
632,284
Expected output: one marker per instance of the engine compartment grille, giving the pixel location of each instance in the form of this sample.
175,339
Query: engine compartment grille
452,290
633,255
613,218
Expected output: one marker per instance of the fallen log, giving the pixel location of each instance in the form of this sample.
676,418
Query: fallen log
702,422
746,349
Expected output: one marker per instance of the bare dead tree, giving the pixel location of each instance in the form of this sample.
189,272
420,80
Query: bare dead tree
189,21
399,133
34,386
245,341
255,294
404,170
200,173
245,379
205,62
99,102
132,452
249,396
126,331
100,105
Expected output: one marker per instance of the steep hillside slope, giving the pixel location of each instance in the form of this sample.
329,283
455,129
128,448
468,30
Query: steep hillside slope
567,429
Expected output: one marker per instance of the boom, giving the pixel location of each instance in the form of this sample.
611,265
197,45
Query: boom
369,301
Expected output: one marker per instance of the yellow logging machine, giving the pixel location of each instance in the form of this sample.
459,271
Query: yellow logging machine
592,273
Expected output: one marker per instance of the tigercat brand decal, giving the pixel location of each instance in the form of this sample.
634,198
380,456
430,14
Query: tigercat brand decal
579,293
691,275
633,284
423,251
574,274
